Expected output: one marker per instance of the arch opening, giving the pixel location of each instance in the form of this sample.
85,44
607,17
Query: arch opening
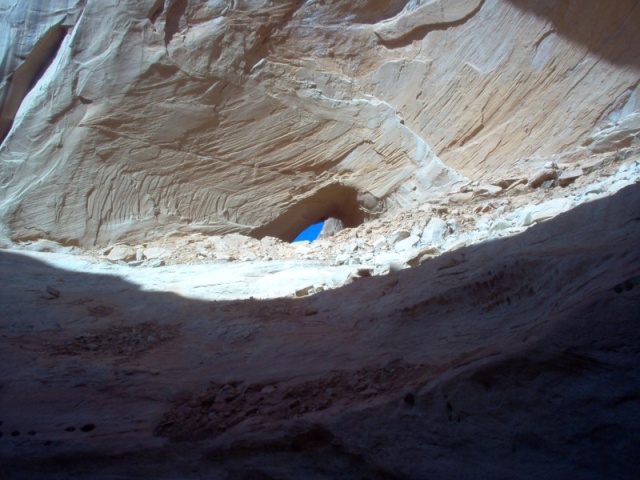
310,233
336,201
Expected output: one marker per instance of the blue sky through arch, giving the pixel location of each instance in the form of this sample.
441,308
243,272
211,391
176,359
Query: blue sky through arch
310,233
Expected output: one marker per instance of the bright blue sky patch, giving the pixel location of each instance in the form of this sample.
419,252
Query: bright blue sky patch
311,233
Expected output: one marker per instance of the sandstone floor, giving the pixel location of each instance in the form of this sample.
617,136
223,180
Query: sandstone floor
517,357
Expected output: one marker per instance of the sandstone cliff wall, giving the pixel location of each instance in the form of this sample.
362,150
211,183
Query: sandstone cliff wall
150,117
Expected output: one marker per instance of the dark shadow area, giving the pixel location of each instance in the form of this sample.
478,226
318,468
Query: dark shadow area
608,29
156,10
519,357
27,75
175,13
338,201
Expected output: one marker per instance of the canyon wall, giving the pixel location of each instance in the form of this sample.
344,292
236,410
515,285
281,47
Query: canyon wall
130,120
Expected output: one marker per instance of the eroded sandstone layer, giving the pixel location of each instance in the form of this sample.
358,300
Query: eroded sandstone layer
262,117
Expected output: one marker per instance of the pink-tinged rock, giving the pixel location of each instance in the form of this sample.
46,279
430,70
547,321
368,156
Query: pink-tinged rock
569,176
156,252
543,176
122,253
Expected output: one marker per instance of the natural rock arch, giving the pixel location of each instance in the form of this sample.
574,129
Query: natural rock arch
338,201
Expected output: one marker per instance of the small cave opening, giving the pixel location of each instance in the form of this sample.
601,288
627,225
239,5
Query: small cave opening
335,204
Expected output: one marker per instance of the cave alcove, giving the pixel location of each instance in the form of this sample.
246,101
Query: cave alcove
338,201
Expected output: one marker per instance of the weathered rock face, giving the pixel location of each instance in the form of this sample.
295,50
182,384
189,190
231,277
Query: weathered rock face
31,34
331,227
509,350
263,117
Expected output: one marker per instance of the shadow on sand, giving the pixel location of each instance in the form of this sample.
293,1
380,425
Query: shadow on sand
515,358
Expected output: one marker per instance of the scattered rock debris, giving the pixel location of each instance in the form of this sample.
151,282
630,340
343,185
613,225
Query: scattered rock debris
477,212
119,340
223,406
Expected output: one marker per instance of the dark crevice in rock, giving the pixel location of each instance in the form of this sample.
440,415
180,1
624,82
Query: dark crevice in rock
459,143
156,11
378,11
27,75
175,12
